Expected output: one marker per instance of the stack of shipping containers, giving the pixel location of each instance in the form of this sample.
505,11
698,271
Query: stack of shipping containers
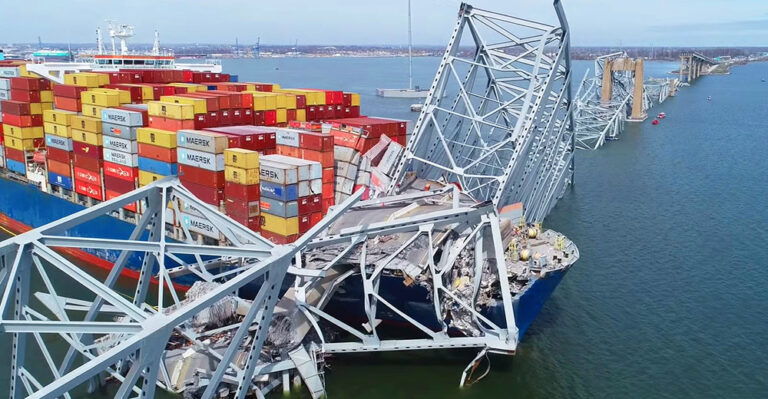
58,140
88,156
23,120
230,143
242,188
119,134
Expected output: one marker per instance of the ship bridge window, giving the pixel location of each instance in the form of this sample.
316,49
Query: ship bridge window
138,62
128,62
118,62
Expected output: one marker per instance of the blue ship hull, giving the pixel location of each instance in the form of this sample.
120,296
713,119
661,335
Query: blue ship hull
27,205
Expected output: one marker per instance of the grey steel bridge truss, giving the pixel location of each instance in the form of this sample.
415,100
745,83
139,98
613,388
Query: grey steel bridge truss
497,119
131,339
597,120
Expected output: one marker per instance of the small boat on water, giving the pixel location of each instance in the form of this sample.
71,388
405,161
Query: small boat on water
655,122
661,115
709,98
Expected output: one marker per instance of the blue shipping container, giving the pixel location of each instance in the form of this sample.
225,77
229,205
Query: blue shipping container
233,78
16,166
279,192
158,167
59,180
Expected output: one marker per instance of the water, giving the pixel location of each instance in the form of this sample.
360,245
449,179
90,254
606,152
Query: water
668,298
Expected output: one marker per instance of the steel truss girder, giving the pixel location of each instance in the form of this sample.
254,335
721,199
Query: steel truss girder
140,329
509,122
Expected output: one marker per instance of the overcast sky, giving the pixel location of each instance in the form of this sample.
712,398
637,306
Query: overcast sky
593,22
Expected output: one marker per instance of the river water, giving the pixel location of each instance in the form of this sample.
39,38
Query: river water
669,297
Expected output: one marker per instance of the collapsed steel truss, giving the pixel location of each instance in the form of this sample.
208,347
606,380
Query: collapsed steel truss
597,119
497,120
130,340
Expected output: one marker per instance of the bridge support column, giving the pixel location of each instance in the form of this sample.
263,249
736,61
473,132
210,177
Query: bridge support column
690,70
607,91
638,113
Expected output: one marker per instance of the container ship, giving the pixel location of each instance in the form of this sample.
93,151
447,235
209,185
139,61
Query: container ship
272,158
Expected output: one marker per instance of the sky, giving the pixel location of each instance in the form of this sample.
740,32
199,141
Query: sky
693,23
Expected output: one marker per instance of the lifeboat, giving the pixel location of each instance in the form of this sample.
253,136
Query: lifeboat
655,122
662,115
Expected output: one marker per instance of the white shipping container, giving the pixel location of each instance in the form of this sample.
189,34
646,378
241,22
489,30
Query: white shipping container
202,141
390,159
200,225
5,84
5,95
345,154
379,180
315,169
276,172
346,170
289,137
199,159
121,158
61,143
122,117
120,144
344,185
308,170
10,72
124,132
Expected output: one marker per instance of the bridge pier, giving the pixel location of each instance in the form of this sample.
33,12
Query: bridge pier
692,66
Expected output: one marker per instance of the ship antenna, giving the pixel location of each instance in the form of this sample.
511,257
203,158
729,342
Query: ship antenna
410,49
99,43
156,47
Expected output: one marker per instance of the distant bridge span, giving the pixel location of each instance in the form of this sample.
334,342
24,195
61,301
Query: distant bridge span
693,65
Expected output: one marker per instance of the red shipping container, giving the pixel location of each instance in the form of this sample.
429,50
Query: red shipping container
156,152
87,150
312,113
223,98
187,76
290,115
118,185
16,155
301,101
89,190
58,154
235,100
289,151
30,96
247,117
277,238
29,84
316,217
67,104
201,176
11,107
242,192
210,195
88,176
225,117
316,141
211,102
173,125
329,175
238,207
327,204
258,118
120,171
113,194
270,117
23,120
305,223
68,91
253,223
328,189
86,162
60,168
310,204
